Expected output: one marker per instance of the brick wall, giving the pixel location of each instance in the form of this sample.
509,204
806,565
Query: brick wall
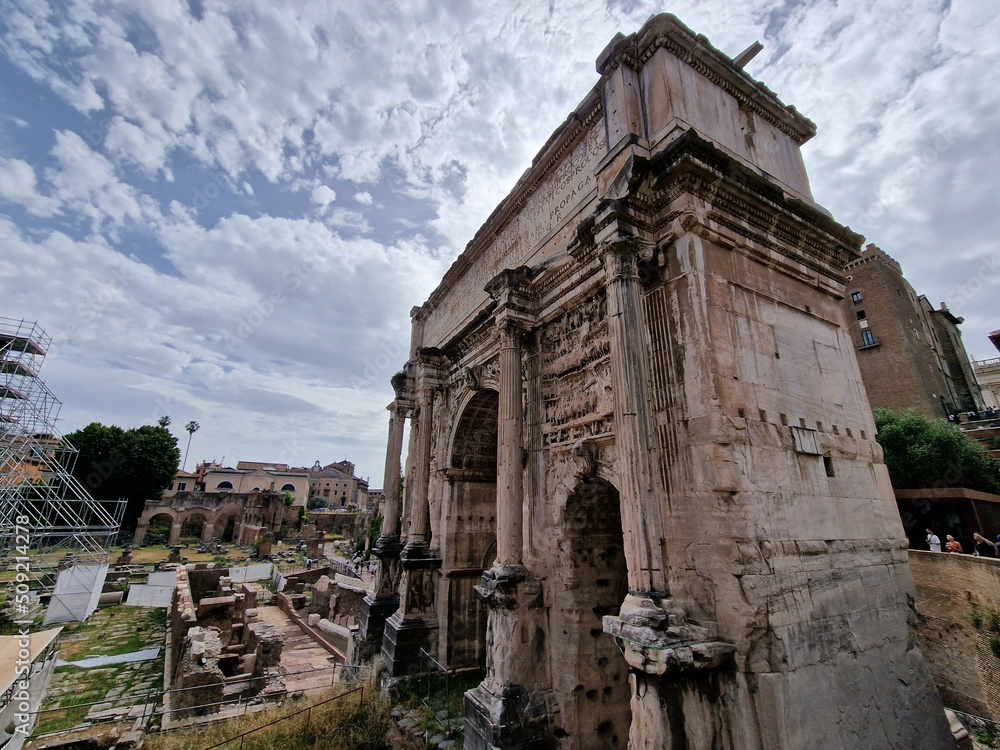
901,371
949,589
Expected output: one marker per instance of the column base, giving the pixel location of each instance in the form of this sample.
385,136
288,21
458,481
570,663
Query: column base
414,625
367,641
387,546
515,719
658,640
414,552
402,641
499,586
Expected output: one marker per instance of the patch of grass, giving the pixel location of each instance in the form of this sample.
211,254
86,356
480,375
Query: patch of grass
346,724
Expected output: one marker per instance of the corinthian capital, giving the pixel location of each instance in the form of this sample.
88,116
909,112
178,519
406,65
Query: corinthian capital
432,368
623,254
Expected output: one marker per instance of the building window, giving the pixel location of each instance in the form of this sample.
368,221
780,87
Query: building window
862,315
856,298
288,488
867,339
181,486
224,486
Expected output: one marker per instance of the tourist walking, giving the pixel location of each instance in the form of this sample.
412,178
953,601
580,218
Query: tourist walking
951,544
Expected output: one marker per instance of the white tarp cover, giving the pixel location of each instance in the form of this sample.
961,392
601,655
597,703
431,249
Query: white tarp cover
255,572
163,578
144,595
147,654
77,592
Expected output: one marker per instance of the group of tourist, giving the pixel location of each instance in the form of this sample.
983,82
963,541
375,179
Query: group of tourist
981,546
973,416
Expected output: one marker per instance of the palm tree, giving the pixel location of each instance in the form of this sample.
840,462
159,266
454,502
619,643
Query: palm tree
191,427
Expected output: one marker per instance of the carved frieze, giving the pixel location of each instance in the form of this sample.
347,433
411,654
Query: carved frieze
576,373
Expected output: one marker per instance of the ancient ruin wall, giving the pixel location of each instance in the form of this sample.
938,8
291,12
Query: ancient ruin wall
951,591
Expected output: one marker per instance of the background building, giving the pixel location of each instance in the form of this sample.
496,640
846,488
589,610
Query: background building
254,476
336,482
988,374
911,355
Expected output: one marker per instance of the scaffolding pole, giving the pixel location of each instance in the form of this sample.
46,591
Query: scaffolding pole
44,510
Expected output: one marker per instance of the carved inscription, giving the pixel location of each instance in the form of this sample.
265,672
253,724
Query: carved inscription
576,374
558,195
556,198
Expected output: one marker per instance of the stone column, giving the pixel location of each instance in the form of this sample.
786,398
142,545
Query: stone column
642,522
175,534
506,710
140,533
413,626
384,600
429,380
659,644
394,449
510,492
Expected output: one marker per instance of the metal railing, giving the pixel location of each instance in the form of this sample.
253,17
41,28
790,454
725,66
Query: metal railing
435,676
307,711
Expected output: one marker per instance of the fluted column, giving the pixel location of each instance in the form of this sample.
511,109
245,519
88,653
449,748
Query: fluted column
390,481
413,626
507,710
510,494
640,502
429,380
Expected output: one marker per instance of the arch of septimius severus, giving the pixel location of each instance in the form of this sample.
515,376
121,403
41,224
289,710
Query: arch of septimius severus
642,483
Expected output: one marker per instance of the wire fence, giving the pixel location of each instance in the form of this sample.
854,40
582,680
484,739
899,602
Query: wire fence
307,711
241,703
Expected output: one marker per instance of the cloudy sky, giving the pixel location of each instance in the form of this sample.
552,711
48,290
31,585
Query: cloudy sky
225,211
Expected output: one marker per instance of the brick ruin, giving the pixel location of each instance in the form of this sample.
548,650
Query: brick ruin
218,650
643,491
238,518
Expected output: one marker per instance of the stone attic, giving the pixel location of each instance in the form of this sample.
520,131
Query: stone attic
642,485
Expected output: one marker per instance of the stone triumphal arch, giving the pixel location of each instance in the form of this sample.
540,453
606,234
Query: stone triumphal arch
642,486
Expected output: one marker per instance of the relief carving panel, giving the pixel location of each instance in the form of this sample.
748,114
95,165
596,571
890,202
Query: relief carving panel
576,374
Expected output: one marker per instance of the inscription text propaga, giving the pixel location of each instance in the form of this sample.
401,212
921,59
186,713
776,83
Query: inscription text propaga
555,200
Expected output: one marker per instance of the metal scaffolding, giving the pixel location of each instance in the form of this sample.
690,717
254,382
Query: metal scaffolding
43,508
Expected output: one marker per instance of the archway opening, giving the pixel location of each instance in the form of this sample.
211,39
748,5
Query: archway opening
470,530
158,529
193,527
589,674
224,486
225,529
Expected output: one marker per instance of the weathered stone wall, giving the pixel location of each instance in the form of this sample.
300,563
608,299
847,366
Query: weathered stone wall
950,589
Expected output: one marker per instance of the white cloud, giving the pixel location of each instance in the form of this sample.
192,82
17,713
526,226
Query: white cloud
18,185
436,105
323,196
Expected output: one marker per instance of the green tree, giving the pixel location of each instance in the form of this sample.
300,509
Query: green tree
315,503
921,452
136,464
